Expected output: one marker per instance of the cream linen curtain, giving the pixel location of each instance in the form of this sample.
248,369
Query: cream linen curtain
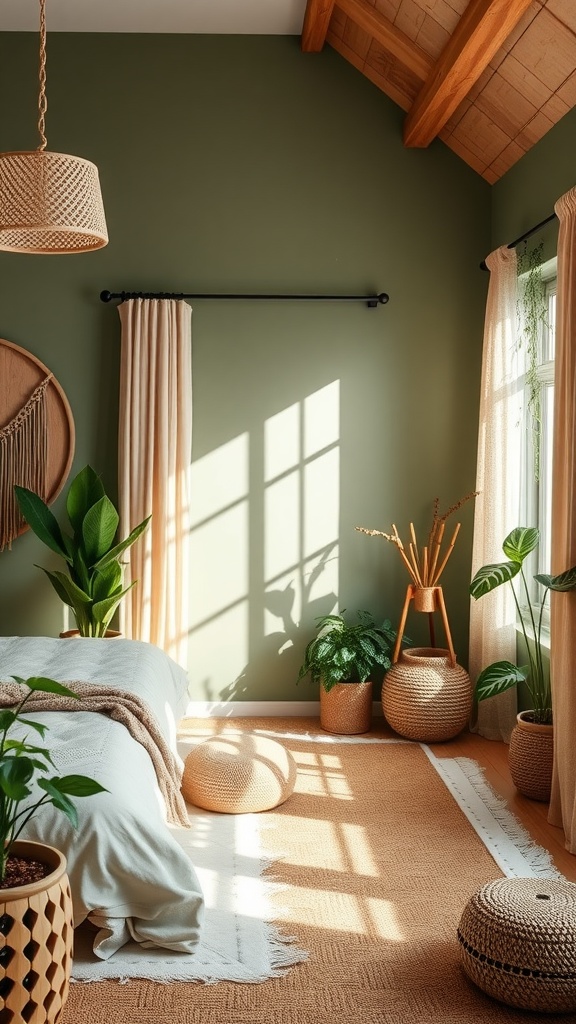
497,507
155,434
563,606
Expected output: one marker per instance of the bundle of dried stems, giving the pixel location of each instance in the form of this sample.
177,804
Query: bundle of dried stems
425,567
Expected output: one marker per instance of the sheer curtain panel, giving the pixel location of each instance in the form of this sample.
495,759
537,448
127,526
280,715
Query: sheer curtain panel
497,507
155,437
563,606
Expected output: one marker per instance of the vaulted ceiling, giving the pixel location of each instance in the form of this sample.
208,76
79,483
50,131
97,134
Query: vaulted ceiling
488,77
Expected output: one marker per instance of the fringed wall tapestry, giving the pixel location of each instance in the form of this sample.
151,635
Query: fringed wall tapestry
36,434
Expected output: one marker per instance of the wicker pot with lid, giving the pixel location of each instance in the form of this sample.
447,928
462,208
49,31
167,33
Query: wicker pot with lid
425,696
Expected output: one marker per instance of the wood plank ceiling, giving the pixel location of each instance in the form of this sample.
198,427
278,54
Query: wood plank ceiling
488,77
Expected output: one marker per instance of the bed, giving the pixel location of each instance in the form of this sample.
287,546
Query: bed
128,875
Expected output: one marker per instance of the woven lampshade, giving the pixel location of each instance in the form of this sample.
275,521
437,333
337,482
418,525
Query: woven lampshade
50,203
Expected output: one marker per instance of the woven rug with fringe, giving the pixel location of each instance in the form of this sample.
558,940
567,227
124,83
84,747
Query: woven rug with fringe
370,862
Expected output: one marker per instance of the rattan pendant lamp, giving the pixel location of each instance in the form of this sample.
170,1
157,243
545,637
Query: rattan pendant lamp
49,202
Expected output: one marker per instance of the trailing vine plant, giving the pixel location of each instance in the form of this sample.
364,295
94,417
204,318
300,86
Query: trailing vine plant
532,319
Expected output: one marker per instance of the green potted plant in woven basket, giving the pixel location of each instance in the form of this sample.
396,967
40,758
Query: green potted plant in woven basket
531,744
92,585
34,883
341,659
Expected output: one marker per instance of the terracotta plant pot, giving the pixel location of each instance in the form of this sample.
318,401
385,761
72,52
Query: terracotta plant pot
74,634
530,757
346,708
425,697
36,935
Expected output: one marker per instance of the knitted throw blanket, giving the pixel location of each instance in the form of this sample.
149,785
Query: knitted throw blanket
122,707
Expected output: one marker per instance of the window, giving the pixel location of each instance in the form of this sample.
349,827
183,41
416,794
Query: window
537,469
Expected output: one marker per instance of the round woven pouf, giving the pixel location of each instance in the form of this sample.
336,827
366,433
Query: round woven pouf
518,942
425,697
238,774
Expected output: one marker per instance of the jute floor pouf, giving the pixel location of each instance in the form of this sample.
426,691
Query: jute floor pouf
518,942
238,774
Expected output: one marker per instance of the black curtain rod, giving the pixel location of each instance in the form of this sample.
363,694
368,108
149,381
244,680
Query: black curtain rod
522,238
372,301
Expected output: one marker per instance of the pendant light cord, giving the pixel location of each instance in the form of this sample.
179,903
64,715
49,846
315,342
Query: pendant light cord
42,101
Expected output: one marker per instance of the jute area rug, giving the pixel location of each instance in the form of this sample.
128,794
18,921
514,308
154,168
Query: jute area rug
377,862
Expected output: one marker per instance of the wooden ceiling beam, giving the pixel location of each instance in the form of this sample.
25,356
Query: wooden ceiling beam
480,33
390,38
316,20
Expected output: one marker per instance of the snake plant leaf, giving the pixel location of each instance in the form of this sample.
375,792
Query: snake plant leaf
564,582
40,520
491,576
99,529
520,542
498,677
85,491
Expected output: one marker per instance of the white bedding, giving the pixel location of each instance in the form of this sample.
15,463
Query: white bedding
128,874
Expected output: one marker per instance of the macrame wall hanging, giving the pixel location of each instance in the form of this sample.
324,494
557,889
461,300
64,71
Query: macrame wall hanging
36,435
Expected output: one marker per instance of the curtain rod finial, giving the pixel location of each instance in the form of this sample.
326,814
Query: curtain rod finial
105,296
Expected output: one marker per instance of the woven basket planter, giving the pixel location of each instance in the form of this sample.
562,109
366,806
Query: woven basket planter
346,708
530,758
425,697
518,942
36,935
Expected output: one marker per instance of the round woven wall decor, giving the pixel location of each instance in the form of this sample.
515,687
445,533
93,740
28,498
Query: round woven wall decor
20,374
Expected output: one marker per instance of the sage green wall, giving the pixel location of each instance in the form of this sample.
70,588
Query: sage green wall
525,196
239,164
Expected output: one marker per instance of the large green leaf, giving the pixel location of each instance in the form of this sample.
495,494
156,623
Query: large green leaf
15,774
45,685
77,785
491,576
40,520
103,611
116,551
520,542
564,582
67,590
497,678
60,800
84,491
99,529
107,582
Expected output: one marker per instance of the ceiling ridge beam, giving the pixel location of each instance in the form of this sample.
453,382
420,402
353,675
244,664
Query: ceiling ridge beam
316,20
481,31
388,36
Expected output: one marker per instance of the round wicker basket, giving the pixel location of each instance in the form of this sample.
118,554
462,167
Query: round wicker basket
530,758
425,697
346,708
518,942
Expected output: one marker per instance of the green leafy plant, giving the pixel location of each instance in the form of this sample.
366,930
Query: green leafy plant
21,762
93,585
343,653
501,675
532,317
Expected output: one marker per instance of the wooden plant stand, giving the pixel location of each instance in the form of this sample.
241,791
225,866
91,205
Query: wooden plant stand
428,600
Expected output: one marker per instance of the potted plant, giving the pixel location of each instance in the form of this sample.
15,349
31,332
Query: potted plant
533,731
33,881
340,658
93,584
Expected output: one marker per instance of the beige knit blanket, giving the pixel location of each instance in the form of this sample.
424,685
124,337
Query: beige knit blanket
122,707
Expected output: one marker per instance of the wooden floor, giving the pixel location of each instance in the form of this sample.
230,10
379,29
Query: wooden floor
493,757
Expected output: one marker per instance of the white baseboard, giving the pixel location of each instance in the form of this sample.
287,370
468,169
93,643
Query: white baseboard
260,709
